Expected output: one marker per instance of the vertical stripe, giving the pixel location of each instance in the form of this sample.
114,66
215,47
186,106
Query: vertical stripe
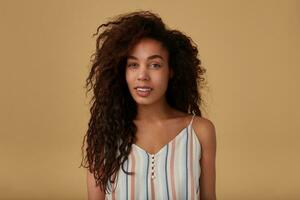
127,180
191,168
180,180
147,195
186,161
166,171
172,170
152,190
132,180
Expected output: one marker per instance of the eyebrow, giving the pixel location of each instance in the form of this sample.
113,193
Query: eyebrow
149,58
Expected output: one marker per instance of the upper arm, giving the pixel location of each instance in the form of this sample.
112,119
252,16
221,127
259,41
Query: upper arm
205,130
94,193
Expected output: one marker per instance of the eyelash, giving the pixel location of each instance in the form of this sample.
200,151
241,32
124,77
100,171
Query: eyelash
158,65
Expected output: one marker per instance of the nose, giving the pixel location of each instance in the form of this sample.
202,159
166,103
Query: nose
143,74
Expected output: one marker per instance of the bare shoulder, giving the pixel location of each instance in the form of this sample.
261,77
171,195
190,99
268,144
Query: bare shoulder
205,130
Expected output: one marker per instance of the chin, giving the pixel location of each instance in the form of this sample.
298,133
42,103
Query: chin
144,101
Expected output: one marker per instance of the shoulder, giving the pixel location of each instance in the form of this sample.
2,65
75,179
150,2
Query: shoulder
205,131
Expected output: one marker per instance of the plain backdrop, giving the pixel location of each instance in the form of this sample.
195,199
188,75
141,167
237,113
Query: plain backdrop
249,48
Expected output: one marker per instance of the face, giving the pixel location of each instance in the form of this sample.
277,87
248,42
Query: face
148,72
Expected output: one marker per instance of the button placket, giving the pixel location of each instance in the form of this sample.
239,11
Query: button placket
153,175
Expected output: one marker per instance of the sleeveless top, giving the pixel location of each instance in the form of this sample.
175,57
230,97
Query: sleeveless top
171,173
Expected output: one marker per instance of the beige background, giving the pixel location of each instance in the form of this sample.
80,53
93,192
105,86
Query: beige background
249,48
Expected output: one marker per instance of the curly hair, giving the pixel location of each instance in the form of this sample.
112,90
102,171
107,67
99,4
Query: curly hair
111,130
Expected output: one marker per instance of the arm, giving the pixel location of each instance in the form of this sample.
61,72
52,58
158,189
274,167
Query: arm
94,193
207,134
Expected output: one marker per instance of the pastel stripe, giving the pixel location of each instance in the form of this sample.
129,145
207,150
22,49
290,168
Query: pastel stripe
172,170
166,171
186,161
132,177
191,169
152,190
177,169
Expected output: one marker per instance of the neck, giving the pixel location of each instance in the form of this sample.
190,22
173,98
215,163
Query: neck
155,112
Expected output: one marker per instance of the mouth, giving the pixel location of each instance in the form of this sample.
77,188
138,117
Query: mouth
143,88
143,91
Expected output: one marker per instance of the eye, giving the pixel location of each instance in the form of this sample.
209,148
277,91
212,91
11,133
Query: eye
131,64
156,65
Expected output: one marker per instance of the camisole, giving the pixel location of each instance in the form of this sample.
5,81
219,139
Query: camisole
171,173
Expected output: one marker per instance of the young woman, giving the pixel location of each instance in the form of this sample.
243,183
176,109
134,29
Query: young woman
147,138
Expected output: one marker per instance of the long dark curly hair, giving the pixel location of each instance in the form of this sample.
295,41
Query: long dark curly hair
111,131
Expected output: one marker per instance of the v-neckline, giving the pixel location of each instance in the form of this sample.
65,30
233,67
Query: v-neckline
163,147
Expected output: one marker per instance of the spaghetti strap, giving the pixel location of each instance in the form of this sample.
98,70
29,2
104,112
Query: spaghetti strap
140,160
192,119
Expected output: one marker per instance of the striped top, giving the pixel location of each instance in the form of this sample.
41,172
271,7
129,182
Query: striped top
171,173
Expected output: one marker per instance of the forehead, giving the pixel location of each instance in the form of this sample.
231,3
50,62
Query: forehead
148,47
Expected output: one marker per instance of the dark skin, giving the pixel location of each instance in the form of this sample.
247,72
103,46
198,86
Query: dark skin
158,123
153,136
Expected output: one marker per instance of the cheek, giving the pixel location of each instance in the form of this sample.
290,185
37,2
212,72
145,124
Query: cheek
128,78
161,82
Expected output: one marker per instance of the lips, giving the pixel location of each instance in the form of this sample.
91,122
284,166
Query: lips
143,91
144,87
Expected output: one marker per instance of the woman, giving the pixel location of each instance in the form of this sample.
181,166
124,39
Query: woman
147,138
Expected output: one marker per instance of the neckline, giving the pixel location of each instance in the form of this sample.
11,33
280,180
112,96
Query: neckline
163,147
